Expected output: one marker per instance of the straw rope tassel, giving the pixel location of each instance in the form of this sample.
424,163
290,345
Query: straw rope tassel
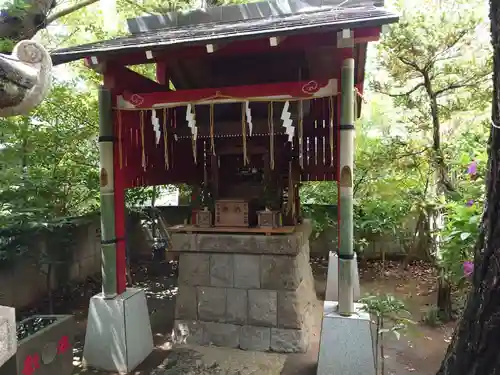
244,134
271,133
301,134
291,197
143,152
165,140
356,93
332,120
193,137
212,140
120,144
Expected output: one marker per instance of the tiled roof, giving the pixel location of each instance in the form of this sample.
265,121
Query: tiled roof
329,19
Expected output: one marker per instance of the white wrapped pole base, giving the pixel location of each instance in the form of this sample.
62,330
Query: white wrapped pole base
347,345
332,281
118,336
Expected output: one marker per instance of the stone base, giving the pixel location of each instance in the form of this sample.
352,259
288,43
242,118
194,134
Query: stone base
245,337
346,345
118,334
8,338
332,282
10,367
244,299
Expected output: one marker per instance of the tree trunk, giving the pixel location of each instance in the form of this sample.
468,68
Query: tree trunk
474,348
19,24
25,78
48,282
26,74
23,23
15,81
444,302
441,186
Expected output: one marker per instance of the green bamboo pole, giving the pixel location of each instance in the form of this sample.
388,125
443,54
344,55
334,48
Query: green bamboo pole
346,224
108,236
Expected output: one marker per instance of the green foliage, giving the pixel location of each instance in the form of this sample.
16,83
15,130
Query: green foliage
459,236
435,65
387,307
431,317
388,177
44,244
49,160
391,317
438,67
319,201
462,216
439,51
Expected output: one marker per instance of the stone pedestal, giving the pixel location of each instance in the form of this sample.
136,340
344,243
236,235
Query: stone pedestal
347,345
118,336
253,292
8,339
332,281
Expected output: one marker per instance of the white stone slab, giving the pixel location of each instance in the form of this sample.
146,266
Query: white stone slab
118,336
346,346
8,337
332,281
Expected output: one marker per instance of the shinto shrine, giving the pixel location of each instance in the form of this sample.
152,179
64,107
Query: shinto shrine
246,103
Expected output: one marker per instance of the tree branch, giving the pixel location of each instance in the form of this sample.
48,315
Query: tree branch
411,91
410,63
452,44
64,12
471,82
359,181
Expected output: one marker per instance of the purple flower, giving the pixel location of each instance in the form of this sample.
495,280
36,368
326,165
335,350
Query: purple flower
468,268
472,170
469,203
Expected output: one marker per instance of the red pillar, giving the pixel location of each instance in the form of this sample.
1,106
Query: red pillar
121,264
342,54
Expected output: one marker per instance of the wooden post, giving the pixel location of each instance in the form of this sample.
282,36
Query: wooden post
108,234
345,189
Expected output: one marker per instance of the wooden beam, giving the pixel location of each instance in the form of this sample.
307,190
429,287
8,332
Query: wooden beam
92,62
121,79
177,74
215,47
345,39
235,94
228,129
162,73
211,48
248,47
275,41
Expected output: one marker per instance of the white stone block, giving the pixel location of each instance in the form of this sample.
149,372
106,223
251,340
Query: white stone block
332,281
8,337
346,346
118,336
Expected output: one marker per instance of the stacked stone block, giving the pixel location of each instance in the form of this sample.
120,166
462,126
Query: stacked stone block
259,302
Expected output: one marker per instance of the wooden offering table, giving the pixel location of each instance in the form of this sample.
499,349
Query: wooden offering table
186,228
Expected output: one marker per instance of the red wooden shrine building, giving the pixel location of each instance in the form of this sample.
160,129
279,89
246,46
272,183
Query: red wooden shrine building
245,99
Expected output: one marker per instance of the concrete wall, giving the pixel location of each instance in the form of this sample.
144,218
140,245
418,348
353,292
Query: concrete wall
376,246
25,283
